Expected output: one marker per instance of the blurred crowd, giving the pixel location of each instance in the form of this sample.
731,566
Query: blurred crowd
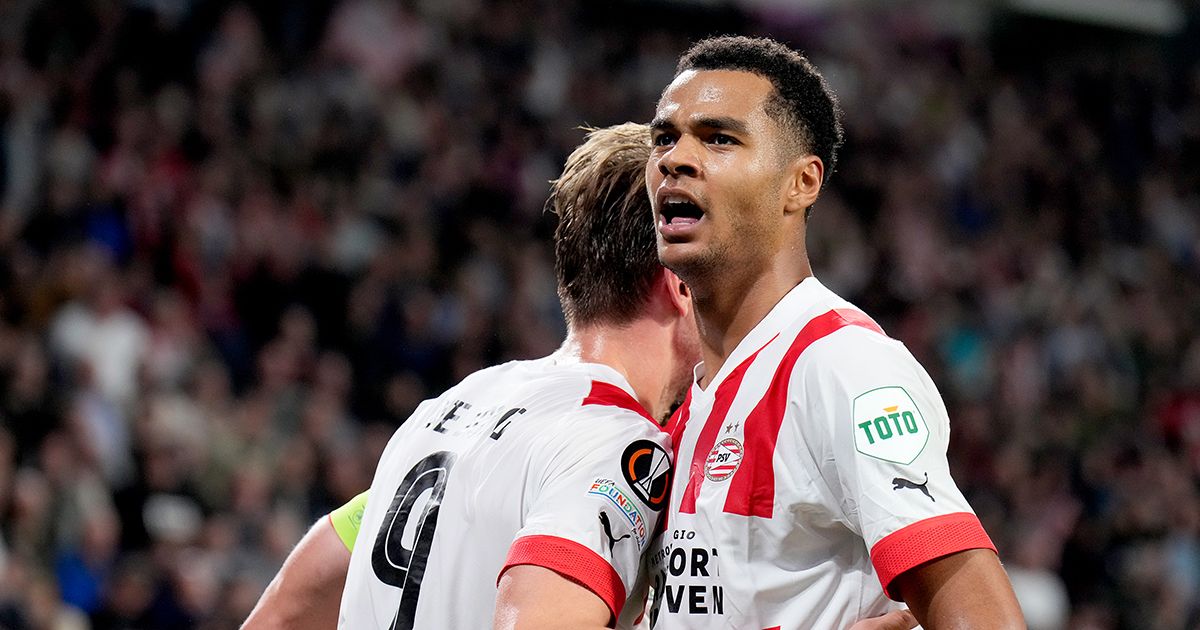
240,242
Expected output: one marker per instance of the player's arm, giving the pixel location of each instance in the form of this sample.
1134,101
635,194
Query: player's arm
594,498
531,597
894,620
889,434
307,591
968,589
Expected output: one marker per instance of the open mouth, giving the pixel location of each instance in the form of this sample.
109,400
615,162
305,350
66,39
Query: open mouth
680,212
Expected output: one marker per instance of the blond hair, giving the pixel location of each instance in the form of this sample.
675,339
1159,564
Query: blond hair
604,246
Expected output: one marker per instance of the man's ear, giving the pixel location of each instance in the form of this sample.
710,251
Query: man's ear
678,292
805,175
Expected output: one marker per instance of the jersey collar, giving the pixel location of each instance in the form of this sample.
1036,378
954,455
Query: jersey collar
799,299
598,371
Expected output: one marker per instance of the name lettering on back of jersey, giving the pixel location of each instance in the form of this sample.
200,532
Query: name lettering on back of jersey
625,504
504,422
888,425
462,417
451,415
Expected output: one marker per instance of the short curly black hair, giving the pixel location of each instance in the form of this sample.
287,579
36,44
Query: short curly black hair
802,103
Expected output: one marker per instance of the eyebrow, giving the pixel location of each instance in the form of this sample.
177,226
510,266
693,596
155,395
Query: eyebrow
726,123
661,124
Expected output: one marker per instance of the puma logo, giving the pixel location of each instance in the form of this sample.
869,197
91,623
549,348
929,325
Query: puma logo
900,482
608,532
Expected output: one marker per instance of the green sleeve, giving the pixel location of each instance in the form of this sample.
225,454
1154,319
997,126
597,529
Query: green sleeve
347,519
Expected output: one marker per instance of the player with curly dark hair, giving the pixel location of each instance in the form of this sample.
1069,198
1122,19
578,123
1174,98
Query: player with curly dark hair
814,487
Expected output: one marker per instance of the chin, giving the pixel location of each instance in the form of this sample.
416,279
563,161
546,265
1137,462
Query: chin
685,259
669,253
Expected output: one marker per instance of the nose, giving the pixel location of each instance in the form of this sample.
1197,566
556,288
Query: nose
682,159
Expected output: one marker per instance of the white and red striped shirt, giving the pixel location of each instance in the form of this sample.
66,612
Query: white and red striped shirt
811,471
550,462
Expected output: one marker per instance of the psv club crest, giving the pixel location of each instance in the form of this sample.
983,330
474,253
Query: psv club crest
723,460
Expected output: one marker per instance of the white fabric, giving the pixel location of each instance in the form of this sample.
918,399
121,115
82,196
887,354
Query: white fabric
809,564
536,478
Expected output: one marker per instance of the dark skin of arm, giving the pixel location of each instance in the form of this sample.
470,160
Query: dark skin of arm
964,590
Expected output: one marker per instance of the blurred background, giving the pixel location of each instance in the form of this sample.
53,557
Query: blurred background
239,242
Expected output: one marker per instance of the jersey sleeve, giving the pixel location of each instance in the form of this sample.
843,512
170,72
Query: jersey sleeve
347,519
883,433
594,500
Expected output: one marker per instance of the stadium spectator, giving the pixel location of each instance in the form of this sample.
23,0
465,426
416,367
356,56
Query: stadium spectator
224,166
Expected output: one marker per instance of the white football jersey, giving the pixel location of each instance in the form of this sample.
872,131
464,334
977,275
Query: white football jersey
810,472
549,462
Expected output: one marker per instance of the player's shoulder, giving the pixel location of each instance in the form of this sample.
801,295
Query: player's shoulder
601,409
842,342
609,411
539,380
497,376
566,396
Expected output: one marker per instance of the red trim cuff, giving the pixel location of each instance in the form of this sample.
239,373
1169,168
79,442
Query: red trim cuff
573,561
926,540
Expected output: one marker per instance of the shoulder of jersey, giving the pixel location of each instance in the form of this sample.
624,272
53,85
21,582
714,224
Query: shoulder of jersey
559,393
493,375
856,353
535,383
584,402
510,380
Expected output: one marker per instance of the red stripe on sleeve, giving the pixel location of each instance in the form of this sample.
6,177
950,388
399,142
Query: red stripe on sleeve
752,489
926,540
722,400
573,561
610,395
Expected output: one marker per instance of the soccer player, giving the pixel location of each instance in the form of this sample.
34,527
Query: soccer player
812,485
542,502
532,488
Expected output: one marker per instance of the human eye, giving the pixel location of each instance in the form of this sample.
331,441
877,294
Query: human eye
662,139
720,138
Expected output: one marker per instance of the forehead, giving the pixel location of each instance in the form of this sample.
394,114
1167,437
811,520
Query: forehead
705,93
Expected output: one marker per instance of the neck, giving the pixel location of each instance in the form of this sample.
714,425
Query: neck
729,307
638,351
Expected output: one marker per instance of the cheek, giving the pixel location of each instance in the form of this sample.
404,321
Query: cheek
654,176
652,165
760,185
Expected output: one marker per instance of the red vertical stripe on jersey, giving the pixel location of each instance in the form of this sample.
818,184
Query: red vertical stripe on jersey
752,489
722,400
678,421
610,395
675,426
